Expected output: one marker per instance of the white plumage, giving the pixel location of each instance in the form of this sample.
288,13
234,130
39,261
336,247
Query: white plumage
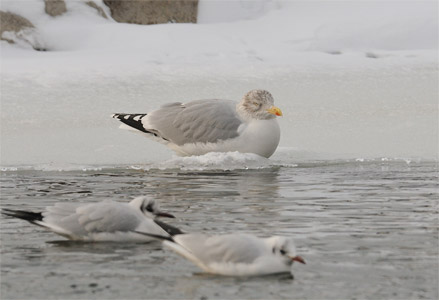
102,221
236,254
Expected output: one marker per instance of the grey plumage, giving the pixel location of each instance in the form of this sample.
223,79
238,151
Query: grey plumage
100,221
214,125
204,121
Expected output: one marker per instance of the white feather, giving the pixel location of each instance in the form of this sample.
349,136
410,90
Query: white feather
235,254
101,221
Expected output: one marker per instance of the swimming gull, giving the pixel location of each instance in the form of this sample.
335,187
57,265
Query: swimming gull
202,126
102,221
235,254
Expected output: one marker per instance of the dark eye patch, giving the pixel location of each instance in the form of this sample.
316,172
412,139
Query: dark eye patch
149,208
282,251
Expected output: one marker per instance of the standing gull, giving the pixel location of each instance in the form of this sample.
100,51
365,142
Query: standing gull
235,254
202,126
100,222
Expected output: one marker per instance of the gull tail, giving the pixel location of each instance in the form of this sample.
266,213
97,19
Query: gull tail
35,218
133,121
32,217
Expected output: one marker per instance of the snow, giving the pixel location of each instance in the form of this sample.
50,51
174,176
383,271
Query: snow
353,78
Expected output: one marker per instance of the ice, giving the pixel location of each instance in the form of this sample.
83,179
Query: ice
352,79
213,161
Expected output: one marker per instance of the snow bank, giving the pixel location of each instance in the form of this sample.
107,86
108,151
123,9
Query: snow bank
353,78
264,30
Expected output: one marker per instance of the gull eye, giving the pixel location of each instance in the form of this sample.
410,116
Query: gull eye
258,107
282,252
149,208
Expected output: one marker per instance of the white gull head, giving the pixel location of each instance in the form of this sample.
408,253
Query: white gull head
149,207
284,248
258,104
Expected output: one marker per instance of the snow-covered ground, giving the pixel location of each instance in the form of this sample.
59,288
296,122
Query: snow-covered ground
354,79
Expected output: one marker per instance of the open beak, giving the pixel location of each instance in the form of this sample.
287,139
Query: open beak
298,259
275,111
164,215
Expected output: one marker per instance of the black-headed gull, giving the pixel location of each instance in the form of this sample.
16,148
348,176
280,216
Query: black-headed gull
102,221
202,126
235,254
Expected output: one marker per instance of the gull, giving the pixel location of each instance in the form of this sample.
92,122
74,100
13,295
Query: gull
202,126
234,254
102,221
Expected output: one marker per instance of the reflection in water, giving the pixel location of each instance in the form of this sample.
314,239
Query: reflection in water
100,247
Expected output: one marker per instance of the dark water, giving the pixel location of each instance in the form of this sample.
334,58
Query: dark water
367,230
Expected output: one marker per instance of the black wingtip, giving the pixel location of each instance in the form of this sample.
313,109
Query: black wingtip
156,236
24,215
132,120
135,121
168,228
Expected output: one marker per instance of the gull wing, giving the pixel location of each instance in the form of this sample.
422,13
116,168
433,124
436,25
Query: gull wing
205,250
80,220
204,121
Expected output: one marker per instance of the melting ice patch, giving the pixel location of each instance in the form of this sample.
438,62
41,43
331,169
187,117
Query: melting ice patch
213,161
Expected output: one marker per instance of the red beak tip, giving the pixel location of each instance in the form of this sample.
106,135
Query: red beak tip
299,259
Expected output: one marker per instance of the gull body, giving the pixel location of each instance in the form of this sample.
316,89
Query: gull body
235,254
98,222
214,125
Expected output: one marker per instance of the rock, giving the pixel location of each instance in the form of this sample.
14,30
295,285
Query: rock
18,30
99,9
55,7
153,11
12,22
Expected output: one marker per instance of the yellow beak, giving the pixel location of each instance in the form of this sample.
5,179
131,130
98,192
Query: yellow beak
275,111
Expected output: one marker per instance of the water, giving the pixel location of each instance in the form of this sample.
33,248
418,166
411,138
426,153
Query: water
367,229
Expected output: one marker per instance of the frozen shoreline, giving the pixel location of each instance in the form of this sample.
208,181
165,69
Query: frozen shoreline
362,112
349,86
